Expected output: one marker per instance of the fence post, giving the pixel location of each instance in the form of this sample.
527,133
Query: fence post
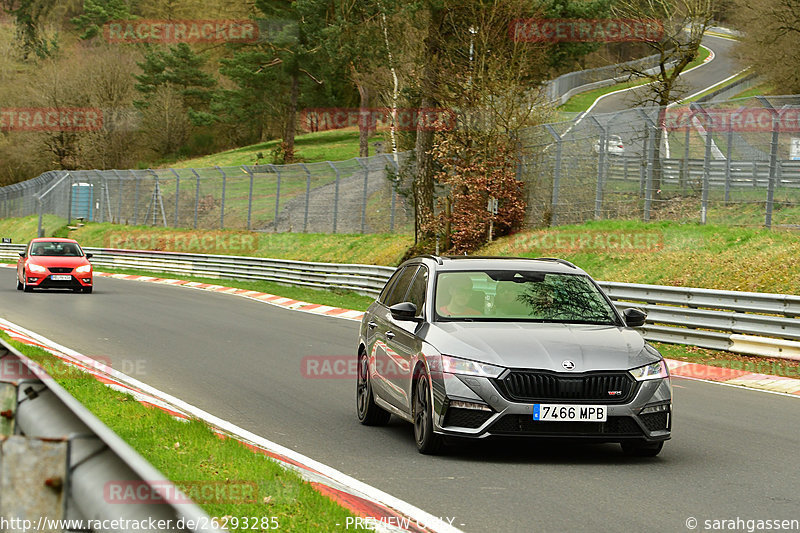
69,204
196,195
364,199
687,143
601,163
728,166
250,196
119,197
136,200
308,195
277,196
650,127
222,203
177,196
773,161
706,173
101,203
556,175
335,195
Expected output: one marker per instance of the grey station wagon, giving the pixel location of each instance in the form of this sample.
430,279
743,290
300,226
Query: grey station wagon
480,346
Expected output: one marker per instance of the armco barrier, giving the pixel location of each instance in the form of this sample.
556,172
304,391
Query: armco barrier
744,322
57,458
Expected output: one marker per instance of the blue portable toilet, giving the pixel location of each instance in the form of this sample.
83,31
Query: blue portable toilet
82,200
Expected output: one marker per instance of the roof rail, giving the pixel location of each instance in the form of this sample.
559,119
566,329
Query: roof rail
557,260
434,257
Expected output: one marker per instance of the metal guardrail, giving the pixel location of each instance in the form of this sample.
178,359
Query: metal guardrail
57,460
744,322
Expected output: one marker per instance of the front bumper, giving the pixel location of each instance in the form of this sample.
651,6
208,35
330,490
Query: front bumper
45,281
468,406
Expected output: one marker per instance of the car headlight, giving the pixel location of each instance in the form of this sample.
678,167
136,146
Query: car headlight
655,370
454,365
39,269
83,269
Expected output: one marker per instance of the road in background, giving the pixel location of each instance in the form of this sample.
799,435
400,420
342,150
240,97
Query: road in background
734,451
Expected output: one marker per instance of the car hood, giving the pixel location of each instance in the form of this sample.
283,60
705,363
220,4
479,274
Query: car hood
542,346
58,261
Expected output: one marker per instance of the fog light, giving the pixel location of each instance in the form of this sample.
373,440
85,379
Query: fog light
87,280
469,405
664,407
33,280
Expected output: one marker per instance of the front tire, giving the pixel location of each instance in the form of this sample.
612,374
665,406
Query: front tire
87,290
641,448
19,285
26,287
368,411
427,441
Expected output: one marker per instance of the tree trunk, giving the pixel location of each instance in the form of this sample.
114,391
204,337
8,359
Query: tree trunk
364,121
291,120
423,176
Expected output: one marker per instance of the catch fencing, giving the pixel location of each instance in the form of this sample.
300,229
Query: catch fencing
726,162
359,195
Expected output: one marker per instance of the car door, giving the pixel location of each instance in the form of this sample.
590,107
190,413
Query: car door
384,331
404,345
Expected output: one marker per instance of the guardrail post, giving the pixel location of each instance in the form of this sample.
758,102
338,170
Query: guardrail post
308,195
196,195
364,199
250,195
556,175
335,195
177,196
222,201
601,163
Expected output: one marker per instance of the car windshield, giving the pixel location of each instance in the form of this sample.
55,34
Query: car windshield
64,249
511,295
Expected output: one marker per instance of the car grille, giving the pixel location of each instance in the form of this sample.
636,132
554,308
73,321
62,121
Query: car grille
466,418
60,270
549,386
655,421
526,425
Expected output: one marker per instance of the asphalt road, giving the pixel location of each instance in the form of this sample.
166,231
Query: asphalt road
734,453
717,70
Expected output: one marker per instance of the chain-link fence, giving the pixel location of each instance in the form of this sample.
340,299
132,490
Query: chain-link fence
727,162
354,196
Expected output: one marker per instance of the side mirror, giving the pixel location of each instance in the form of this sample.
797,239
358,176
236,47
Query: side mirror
22,254
634,317
404,311
89,256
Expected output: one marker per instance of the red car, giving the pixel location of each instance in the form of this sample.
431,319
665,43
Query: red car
54,264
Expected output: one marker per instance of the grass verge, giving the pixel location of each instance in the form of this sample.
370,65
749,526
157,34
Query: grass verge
334,298
192,455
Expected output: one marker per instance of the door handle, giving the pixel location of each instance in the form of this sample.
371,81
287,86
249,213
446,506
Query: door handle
372,325
389,335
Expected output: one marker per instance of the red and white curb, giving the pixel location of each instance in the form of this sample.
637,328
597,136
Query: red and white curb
381,511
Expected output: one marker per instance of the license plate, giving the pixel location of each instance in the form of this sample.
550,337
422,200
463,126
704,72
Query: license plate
60,277
569,413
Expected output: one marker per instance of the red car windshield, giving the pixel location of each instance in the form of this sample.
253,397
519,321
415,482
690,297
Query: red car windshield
59,249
